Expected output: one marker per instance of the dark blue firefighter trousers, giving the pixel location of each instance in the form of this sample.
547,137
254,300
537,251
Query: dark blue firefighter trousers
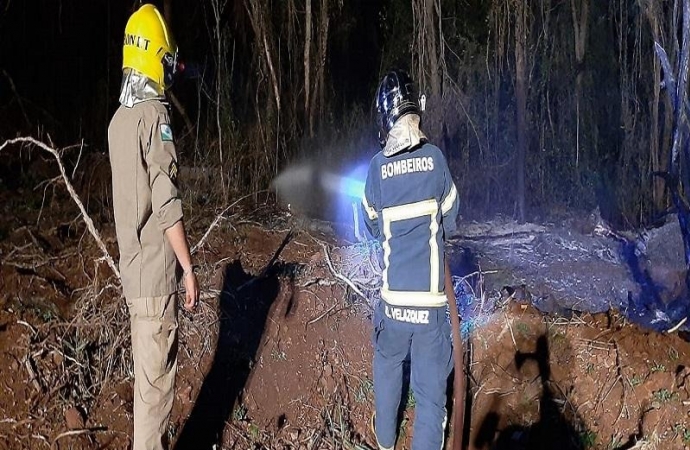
424,334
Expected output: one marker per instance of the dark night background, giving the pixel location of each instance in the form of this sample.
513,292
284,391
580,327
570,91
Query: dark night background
548,111
583,79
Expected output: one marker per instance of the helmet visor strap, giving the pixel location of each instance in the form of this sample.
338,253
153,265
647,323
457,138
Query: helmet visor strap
169,68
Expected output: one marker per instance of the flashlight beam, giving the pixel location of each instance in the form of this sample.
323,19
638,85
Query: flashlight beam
350,187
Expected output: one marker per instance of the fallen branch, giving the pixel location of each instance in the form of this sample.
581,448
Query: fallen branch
32,374
37,264
89,223
208,231
339,276
76,433
322,315
41,438
33,330
497,229
677,327
317,282
497,241
216,221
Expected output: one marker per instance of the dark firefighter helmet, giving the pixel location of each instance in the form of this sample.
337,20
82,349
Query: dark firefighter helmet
396,97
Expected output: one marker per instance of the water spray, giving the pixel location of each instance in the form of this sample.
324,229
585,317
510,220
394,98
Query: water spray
324,194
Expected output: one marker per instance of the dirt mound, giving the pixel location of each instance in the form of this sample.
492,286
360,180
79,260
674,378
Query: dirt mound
584,382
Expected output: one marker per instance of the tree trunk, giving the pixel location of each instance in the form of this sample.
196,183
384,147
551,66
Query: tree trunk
432,47
270,122
427,62
521,97
257,17
307,65
294,74
580,31
654,155
217,6
319,85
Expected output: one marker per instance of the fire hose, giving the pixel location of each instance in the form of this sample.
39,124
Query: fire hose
459,385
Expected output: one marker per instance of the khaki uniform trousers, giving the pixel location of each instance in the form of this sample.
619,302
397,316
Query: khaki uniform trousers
153,323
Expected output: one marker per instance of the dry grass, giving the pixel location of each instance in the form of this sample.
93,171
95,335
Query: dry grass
650,443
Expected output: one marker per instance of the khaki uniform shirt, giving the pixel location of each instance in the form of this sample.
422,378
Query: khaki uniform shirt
145,197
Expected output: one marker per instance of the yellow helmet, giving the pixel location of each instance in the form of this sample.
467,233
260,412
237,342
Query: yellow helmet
149,47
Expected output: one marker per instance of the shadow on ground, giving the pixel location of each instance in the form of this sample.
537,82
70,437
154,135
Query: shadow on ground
245,304
553,430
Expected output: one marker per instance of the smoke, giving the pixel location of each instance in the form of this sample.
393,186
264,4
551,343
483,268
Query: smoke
321,193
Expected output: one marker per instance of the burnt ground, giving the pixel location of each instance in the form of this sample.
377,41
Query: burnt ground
279,355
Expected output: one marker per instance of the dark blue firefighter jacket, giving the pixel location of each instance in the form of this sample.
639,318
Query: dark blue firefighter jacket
411,204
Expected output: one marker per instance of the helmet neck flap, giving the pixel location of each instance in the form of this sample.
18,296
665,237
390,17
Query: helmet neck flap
404,135
137,88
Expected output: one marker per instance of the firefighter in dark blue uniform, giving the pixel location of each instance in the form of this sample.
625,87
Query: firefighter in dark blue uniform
410,204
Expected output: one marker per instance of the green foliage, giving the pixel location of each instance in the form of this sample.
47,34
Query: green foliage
240,413
47,314
278,355
658,367
615,444
636,381
523,329
664,395
588,439
254,432
364,391
682,431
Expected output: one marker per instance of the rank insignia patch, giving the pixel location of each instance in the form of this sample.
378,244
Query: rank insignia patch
166,133
172,171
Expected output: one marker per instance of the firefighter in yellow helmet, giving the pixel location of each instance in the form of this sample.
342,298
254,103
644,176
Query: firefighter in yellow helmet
148,220
149,57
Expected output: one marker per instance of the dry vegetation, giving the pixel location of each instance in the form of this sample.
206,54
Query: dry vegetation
544,108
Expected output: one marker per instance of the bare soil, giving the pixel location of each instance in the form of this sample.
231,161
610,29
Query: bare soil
278,356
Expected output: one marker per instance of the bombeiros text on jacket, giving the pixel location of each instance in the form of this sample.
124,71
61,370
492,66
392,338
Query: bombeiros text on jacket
409,165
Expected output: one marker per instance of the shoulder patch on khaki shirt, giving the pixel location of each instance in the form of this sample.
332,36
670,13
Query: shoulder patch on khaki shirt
166,133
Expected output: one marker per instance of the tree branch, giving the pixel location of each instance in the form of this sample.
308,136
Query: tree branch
89,223
216,221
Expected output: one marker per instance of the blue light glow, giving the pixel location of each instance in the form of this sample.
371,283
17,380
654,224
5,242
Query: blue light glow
350,192
352,186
